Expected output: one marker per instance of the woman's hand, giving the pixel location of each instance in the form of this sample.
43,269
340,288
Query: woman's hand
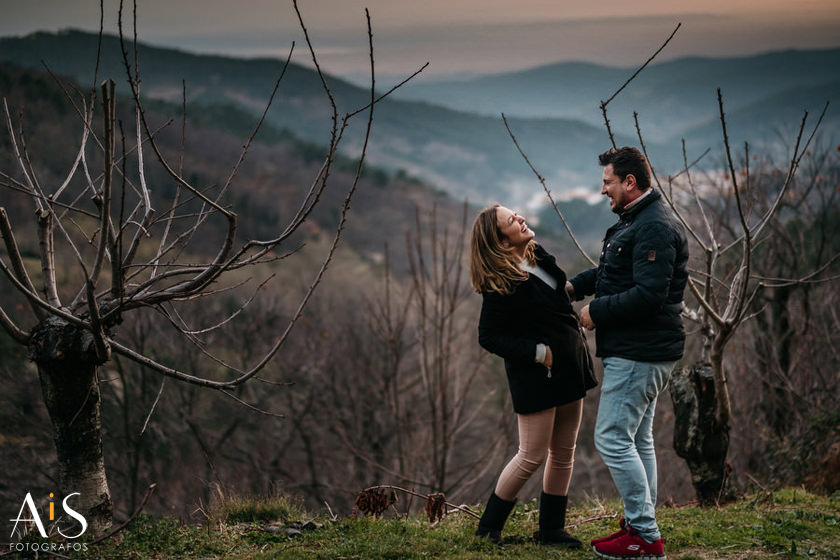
549,359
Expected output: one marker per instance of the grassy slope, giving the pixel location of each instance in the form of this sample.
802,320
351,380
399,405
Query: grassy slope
790,523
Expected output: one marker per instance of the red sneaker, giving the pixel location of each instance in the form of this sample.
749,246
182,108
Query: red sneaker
630,545
621,531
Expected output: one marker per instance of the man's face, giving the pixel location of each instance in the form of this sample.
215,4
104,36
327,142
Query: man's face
614,189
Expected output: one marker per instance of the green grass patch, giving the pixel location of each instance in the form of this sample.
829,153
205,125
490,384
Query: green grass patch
787,524
257,509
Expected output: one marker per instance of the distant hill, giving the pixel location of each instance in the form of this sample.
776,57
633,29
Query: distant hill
267,187
777,116
673,99
467,155
450,135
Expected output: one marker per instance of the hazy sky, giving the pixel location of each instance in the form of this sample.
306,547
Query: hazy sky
455,36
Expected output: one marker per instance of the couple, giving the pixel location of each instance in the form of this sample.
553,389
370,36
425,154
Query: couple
527,318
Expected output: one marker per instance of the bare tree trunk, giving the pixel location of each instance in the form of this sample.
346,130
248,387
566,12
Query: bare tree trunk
67,364
699,437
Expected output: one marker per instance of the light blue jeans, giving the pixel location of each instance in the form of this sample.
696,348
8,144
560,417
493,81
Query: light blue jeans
624,435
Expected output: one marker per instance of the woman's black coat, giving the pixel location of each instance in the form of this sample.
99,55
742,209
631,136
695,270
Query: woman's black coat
512,325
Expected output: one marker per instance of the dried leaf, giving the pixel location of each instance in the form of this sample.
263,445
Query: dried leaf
375,501
435,506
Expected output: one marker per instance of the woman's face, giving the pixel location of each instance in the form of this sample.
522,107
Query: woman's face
514,229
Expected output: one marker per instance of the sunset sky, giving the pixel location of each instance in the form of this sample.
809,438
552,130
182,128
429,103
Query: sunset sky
456,36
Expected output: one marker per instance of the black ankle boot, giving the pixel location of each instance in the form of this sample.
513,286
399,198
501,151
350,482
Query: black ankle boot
494,517
553,522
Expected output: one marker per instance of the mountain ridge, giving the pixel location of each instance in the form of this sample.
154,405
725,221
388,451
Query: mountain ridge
686,85
463,151
466,155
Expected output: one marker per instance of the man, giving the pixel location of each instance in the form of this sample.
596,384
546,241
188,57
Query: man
638,287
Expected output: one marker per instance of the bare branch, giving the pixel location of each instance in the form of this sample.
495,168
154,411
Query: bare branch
150,277
154,405
101,349
737,293
642,67
712,242
794,165
142,114
175,199
318,70
644,151
16,259
103,199
168,371
45,240
319,184
252,407
115,238
390,91
344,210
702,299
210,272
18,334
749,301
303,211
810,278
79,157
548,192
36,301
259,123
30,182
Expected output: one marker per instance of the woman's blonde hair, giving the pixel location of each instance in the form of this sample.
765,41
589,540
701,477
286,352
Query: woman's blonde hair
493,267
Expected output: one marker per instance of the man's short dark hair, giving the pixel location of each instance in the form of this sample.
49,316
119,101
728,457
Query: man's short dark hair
628,161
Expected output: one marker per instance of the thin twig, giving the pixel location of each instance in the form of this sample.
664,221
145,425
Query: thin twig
607,102
593,519
541,179
154,405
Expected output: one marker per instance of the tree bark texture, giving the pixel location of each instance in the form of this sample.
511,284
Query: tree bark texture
698,437
67,364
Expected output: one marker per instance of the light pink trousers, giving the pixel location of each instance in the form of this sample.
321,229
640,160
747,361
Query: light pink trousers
549,433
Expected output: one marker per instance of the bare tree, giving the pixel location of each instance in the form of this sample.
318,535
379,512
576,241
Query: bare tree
724,287
447,370
103,224
402,386
789,349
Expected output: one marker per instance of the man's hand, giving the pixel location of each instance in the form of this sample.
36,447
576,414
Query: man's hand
586,319
549,359
570,290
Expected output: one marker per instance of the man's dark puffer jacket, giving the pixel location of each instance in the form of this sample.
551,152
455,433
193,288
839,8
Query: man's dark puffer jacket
638,285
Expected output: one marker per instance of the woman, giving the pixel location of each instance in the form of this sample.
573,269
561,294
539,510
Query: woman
527,319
